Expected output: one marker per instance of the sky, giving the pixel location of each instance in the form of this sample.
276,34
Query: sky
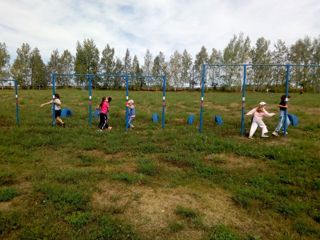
157,25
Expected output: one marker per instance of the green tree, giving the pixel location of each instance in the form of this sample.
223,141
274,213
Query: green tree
280,55
315,81
138,80
301,53
66,63
127,62
261,75
214,72
21,68
175,79
4,61
201,58
54,66
159,68
107,65
38,70
186,68
147,67
118,82
236,52
87,58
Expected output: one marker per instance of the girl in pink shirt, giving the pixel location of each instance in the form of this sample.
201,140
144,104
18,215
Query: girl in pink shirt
258,114
104,109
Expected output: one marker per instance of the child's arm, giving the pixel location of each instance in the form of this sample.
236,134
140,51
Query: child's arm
266,113
283,106
47,103
251,111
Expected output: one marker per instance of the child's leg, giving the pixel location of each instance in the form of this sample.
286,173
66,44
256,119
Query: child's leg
101,120
263,127
104,121
280,123
59,121
130,122
253,128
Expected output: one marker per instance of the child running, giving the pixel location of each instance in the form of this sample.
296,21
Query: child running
57,109
258,114
283,106
104,111
131,113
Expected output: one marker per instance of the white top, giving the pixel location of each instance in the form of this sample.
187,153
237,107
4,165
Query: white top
57,104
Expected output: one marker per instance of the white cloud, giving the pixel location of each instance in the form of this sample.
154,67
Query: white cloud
158,25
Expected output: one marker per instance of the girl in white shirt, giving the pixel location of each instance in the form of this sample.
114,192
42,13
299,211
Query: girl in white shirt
57,109
258,114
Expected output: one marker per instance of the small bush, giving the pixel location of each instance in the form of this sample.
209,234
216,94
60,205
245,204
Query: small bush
147,167
6,178
64,197
78,219
303,228
176,226
6,194
126,177
186,212
222,232
9,221
115,230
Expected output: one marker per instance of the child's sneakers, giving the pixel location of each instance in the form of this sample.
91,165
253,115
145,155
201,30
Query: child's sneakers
250,137
274,133
264,136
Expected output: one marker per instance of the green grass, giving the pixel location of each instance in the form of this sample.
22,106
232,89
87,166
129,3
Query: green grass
61,174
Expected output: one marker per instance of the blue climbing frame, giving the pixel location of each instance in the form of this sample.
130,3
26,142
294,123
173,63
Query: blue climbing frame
17,99
90,77
164,82
288,68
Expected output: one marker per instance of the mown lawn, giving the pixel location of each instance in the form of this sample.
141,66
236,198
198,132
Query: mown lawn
154,183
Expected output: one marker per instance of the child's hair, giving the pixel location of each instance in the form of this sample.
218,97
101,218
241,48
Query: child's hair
109,99
260,108
283,97
102,100
57,96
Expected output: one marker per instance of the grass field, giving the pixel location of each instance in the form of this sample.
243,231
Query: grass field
153,183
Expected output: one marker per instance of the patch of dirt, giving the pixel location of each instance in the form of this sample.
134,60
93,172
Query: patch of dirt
233,161
150,210
5,206
106,156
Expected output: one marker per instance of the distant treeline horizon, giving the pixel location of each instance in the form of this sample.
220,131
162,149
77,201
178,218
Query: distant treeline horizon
182,70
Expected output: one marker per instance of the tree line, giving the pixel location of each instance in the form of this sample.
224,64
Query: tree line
181,69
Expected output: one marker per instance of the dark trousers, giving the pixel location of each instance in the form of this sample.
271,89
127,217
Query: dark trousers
103,121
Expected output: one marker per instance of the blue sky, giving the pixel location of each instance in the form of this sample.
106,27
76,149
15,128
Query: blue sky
157,25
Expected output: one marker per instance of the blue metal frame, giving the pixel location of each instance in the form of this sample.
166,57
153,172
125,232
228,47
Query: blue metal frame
90,76
53,81
243,99
202,96
286,100
163,100
288,66
127,99
16,98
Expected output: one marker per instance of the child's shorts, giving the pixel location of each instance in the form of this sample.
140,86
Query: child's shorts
57,113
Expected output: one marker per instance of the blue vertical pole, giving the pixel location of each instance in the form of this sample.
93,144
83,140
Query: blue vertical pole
202,96
163,100
53,81
127,99
286,100
90,98
17,103
243,98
